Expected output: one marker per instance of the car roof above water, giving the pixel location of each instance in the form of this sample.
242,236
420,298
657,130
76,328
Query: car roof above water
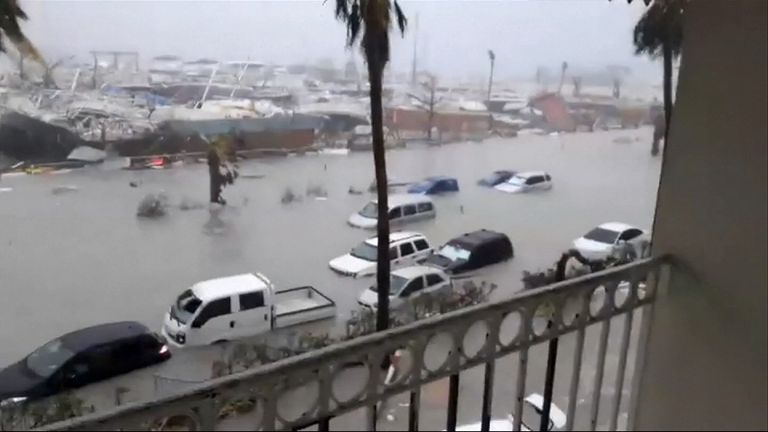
527,174
213,289
415,271
404,199
472,239
88,337
615,226
395,237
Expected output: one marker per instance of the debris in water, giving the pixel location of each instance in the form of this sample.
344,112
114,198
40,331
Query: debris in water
190,204
6,189
135,183
58,190
289,196
252,176
354,191
317,191
622,140
153,206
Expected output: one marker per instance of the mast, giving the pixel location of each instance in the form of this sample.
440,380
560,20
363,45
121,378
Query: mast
415,48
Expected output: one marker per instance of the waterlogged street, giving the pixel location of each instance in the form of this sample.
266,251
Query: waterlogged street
80,258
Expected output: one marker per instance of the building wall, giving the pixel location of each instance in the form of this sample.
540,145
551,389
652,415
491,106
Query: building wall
706,360
450,124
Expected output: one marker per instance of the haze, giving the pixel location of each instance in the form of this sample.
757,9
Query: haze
453,36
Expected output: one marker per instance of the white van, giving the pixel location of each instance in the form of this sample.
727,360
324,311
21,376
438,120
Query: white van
405,248
239,306
402,209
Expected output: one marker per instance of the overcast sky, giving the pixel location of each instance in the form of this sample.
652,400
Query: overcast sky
453,35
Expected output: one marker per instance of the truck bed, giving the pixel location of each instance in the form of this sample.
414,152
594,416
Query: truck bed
301,305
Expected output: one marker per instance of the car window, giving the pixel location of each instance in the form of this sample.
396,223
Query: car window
434,279
395,213
425,207
409,210
630,234
251,300
413,286
534,180
421,244
212,310
406,249
393,253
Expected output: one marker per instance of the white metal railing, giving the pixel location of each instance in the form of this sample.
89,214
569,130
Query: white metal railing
431,349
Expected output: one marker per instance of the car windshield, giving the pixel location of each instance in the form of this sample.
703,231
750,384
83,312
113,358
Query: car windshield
396,283
49,358
185,307
532,417
364,251
602,235
494,178
371,210
517,181
454,253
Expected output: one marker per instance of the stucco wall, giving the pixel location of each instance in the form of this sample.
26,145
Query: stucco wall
706,360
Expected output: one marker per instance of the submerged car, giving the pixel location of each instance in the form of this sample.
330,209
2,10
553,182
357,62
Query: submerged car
497,177
435,186
526,182
603,240
533,409
405,248
472,251
402,209
406,284
82,357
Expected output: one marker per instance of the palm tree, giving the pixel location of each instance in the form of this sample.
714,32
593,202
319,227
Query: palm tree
659,32
370,21
10,15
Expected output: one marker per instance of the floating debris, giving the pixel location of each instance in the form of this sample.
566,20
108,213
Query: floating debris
190,204
134,183
58,190
289,196
153,206
354,191
622,140
6,189
317,191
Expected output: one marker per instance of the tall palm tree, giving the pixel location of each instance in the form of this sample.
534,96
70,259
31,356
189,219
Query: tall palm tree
370,21
659,32
10,16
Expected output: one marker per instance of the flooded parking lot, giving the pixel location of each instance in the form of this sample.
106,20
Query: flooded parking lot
80,258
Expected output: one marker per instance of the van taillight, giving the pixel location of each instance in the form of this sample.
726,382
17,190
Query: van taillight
164,350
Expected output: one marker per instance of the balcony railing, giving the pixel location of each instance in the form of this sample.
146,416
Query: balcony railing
315,388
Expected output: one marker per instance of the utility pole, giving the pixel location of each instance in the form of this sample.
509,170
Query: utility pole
492,57
415,48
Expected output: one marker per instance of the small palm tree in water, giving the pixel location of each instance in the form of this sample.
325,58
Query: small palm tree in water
370,21
221,169
659,32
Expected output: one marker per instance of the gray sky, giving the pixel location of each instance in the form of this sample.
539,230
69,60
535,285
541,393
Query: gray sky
454,35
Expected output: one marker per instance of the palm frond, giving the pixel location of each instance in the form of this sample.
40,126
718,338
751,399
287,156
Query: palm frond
402,21
662,21
10,15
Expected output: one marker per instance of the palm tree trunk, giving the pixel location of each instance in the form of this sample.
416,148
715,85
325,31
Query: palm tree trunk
375,72
667,47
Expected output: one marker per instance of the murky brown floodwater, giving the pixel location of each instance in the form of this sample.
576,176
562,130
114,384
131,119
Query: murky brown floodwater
82,258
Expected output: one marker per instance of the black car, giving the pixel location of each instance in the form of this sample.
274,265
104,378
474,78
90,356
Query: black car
472,251
82,357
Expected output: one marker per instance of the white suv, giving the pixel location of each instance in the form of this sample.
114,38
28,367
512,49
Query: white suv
405,248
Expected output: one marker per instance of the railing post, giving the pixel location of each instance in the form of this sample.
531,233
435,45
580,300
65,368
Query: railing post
549,381
453,402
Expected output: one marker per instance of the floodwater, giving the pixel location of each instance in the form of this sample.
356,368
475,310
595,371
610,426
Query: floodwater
81,257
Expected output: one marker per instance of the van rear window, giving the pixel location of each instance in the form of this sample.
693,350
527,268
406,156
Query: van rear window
425,207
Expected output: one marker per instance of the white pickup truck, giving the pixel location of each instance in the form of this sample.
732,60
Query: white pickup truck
234,307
